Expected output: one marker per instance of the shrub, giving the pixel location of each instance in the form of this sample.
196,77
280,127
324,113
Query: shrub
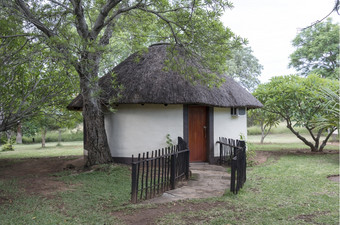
250,155
52,136
8,146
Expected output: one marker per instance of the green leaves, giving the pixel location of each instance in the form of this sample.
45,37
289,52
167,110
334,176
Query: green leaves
298,101
317,50
244,67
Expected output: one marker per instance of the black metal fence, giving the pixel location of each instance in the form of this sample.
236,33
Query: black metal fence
156,172
233,153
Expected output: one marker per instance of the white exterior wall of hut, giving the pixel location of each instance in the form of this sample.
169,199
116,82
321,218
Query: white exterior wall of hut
226,125
136,128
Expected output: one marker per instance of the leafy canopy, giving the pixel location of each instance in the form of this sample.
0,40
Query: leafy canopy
298,101
92,36
244,67
30,79
317,50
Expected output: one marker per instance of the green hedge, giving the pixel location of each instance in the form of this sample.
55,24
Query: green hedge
280,129
52,136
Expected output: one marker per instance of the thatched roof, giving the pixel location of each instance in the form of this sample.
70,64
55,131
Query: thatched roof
145,81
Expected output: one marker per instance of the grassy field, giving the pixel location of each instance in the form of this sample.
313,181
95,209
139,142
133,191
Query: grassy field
282,139
51,150
291,190
89,200
275,142
287,189
280,129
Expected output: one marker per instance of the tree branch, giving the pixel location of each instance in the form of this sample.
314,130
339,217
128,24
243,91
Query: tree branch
169,22
99,24
81,24
105,39
326,139
304,140
62,5
120,11
16,35
27,13
310,130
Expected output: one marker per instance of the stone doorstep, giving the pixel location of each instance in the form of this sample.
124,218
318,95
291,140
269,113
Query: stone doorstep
206,167
211,181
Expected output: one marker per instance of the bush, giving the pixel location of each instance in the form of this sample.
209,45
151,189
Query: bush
254,130
280,129
8,146
52,136
250,155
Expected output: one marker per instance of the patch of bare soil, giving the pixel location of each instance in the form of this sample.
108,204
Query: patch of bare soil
10,168
309,217
34,177
334,178
262,156
150,215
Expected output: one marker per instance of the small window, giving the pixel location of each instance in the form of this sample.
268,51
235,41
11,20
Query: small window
238,111
233,111
242,111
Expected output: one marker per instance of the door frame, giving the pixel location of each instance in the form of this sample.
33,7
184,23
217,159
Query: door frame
210,130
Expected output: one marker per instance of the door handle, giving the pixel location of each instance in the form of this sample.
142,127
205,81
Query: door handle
205,131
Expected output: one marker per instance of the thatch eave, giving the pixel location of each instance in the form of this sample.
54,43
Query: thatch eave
146,82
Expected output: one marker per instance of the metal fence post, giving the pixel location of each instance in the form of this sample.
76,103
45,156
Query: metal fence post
187,160
182,145
233,174
134,188
173,171
221,151
244,161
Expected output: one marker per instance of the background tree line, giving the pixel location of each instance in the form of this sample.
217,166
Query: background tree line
310,100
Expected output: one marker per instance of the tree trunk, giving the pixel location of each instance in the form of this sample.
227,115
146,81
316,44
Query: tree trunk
330,132
19,134
43,137
9,135
313,147
95,142
262,139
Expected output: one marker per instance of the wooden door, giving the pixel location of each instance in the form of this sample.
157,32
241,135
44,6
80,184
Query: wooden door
198,133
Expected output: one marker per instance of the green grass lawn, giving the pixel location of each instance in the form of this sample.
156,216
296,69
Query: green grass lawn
51,150
292,189
279,138
280,129
283,141
286,146
91,198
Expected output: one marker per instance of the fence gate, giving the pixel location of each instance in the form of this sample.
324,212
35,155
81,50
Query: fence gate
233,153
156,172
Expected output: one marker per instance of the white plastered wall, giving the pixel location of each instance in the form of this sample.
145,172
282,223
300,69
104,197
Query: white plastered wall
136,128
226,125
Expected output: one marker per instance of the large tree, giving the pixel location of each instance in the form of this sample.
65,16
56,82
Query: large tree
244,67
317,50
299,102
29,77
81,32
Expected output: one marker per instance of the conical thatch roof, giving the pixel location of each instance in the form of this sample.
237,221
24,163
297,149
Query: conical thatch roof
145,81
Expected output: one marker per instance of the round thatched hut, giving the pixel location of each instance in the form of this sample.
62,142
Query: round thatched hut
158,104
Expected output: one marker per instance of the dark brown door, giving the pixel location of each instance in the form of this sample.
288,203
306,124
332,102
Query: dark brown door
198,133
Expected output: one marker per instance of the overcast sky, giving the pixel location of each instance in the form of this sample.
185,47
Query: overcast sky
271,25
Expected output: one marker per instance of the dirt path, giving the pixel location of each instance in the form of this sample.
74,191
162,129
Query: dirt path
34,174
